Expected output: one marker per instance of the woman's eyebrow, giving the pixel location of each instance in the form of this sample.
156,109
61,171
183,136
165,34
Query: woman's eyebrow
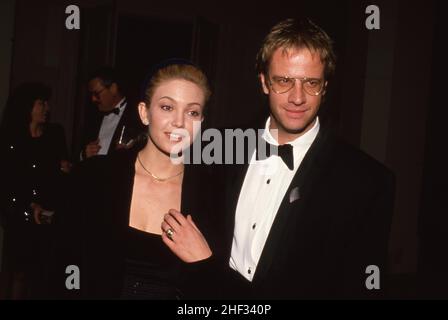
166,97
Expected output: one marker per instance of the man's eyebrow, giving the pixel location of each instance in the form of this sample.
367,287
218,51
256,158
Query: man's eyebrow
288,77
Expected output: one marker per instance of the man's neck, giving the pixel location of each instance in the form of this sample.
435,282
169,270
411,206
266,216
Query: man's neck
284,137
116,102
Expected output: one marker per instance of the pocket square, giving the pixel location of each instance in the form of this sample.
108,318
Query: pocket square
294,195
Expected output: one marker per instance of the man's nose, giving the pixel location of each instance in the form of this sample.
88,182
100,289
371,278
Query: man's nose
297,94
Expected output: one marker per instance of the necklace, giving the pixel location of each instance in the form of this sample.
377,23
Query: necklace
154,176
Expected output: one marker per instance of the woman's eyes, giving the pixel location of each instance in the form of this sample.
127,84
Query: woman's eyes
166,107
194,114
190,113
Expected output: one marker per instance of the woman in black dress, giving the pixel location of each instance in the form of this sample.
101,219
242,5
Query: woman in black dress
33,159
114,221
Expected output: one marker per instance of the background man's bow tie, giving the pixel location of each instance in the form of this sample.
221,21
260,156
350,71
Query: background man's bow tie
115,110
283,151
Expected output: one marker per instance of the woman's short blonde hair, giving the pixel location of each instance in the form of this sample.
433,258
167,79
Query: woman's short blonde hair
186,72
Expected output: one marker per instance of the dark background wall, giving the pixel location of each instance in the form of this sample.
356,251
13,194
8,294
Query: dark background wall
383,98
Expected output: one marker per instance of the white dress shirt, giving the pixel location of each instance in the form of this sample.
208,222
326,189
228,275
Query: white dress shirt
263,190
108,127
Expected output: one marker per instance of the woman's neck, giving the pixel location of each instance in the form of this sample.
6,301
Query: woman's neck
35,129
157,162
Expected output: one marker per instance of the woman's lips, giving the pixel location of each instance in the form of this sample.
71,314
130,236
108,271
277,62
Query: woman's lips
174,137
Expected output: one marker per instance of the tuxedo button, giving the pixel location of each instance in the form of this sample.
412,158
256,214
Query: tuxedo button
269,181
254,226
249,271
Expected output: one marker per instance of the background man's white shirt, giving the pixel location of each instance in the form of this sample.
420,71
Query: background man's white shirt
108,127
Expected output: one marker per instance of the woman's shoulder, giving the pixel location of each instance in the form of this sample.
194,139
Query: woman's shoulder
54,128
107,165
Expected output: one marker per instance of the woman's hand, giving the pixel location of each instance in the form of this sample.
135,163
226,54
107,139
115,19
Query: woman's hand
37,212
66,166
182,236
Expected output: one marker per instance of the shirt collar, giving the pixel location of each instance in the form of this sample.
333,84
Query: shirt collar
121,105
302,141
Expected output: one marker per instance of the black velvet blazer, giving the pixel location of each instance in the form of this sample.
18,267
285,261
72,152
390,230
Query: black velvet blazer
96,217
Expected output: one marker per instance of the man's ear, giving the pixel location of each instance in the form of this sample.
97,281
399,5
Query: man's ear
264,85
143,112
114,88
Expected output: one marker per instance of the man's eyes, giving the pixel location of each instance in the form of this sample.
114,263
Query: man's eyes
283,80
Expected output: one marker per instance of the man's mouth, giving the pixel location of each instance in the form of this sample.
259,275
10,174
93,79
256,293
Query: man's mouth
295,113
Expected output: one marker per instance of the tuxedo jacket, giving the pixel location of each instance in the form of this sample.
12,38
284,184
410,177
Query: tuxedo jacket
93,226
130,119
323,239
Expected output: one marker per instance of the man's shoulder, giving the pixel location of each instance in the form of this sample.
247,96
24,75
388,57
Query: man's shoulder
353,159
131,117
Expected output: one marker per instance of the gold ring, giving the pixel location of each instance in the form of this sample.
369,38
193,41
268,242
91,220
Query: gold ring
169,233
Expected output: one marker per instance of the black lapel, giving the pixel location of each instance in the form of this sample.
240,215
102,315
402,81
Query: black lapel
131,120
93,127
307,176
234,182
189,196
125,165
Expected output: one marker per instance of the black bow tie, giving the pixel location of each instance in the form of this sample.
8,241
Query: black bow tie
283,151
115,110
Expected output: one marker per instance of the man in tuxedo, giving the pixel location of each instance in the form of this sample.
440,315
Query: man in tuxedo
115,124
311,221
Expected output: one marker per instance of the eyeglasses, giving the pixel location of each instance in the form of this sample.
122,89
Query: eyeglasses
96,94
312,86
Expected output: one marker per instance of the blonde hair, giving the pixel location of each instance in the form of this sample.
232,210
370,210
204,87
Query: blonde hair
297,34
177,71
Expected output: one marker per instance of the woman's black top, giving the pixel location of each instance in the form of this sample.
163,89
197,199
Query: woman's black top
30,172
115,260
151,271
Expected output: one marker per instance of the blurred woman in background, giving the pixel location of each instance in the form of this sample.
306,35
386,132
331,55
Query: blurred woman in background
33,162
